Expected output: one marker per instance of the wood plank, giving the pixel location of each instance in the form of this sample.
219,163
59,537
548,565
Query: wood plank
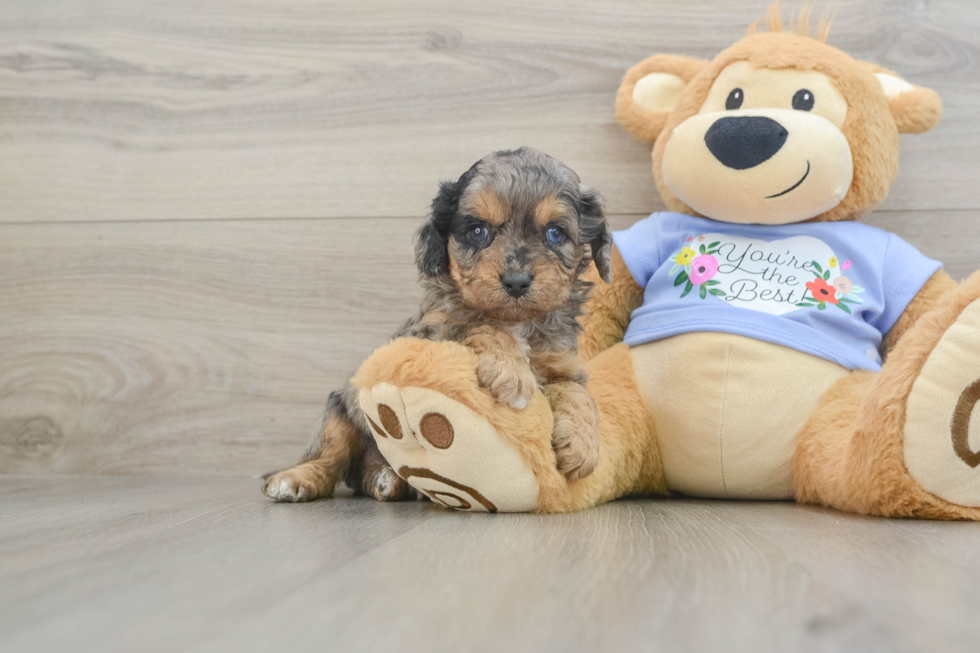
130,347
195,109
208,564
209,347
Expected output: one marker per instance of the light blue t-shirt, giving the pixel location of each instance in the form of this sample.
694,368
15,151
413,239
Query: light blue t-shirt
828,289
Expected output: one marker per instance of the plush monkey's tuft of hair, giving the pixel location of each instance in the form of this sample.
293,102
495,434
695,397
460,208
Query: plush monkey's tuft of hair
802,23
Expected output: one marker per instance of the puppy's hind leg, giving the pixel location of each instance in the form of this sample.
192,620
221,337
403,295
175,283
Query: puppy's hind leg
335,443
369,474
372,476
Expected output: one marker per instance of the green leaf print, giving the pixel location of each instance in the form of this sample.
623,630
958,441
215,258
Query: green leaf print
703,250
826,275
712,282
714,244
816,266
843,308
681,278
704,292
717,292
687,291
822,306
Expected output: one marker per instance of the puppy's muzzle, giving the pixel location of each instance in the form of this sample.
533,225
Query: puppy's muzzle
516,283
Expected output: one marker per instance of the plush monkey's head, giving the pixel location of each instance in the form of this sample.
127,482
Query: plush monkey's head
778,128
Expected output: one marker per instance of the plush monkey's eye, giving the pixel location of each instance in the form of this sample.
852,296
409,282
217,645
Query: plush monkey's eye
735,99
478,235
803,100
555,235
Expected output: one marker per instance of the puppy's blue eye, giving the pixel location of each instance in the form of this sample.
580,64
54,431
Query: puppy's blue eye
478,234
555,235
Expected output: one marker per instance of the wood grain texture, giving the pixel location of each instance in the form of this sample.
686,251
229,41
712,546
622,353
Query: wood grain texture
172,346
189,109
178,564
209,347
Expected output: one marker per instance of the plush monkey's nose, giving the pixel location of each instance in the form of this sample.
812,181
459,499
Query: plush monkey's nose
516,283
742,142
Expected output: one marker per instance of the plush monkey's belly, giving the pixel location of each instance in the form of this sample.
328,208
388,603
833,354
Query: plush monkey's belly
727,410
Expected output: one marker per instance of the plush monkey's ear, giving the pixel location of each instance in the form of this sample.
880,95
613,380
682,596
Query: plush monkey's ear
432,240
594,229
916,109
650,90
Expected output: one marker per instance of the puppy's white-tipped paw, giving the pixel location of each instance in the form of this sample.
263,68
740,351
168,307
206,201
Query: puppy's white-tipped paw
384,485
509,380
282,487
575,439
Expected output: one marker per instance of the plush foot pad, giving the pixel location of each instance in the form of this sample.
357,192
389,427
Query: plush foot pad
942,427
448,452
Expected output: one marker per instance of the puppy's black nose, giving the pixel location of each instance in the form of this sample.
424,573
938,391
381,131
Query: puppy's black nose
742,142
516,283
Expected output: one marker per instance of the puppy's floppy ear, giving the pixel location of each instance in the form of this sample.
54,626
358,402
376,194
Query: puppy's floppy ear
432,240
650,90
595,230
431,256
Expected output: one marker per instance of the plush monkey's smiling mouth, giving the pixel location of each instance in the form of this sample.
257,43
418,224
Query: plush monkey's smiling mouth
794,186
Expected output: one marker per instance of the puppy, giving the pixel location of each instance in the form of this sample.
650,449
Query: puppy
501,259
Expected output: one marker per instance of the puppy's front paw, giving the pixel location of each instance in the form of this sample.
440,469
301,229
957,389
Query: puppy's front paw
510,380
287,486
575,439
303,482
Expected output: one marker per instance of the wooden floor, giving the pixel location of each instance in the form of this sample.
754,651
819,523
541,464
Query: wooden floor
206,209
179,564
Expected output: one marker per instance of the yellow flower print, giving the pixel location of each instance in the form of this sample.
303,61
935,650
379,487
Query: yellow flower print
833,262
686,255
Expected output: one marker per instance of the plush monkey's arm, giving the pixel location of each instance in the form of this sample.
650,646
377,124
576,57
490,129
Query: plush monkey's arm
608,312
929,296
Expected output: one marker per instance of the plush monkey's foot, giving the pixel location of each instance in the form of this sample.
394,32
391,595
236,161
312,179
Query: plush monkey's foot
447,436
448,452
942,426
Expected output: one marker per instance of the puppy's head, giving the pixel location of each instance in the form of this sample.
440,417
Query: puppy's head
514,233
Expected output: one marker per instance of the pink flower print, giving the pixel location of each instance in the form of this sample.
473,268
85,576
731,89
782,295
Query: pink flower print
845,266
843,285
703,268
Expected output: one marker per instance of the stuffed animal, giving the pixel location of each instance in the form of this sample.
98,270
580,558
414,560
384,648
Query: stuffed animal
756,342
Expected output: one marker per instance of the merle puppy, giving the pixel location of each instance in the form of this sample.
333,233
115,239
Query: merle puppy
501,259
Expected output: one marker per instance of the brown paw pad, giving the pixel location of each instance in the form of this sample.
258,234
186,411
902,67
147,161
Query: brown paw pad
960,428
390,421
437,430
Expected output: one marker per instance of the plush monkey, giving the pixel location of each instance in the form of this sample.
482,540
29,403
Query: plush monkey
756,341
